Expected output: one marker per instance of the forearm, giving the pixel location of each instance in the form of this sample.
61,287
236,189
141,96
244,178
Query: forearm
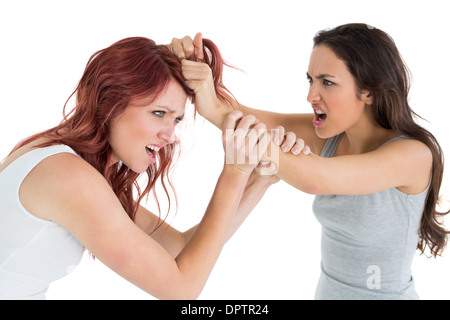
217,112
301,171
254,191
198,257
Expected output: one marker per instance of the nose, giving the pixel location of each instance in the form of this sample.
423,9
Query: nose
167,133
313,95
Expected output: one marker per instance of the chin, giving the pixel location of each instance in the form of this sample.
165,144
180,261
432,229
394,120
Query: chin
326,134
322,134
136,167
139,170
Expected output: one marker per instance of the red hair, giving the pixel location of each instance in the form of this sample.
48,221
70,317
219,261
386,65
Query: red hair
130,68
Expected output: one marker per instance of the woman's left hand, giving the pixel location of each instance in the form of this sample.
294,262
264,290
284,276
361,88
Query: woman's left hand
288,142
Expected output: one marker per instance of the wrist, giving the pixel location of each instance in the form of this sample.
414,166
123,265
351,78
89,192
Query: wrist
235,171
263,182
215,113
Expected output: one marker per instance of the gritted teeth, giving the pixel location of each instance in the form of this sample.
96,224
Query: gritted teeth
154,148
319,111
321,115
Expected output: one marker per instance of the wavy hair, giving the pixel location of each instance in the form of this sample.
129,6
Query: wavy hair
128,69
373,59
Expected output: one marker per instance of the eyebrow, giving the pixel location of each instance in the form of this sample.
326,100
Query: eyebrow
165,107
321,76
170,110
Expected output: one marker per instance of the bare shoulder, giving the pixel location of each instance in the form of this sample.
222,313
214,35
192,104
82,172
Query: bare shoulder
67,190
414,159
59,183
410,148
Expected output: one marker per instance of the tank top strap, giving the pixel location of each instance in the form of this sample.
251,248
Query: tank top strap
329,149
16,171
330,146
401,137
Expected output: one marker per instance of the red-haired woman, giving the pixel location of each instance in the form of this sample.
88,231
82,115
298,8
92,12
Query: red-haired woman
375,172
75,186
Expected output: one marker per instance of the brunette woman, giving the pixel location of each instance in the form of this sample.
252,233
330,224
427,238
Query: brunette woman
376,172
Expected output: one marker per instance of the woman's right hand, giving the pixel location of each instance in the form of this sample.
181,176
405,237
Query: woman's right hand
186,48
245,141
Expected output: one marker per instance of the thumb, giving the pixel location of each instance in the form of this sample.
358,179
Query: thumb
198,47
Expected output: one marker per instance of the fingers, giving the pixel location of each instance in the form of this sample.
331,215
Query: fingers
250,128
278,135
292,143
295,146
177,46
246,122
263,143
242,131
245,140
306,150
289,141
195,70
231,119
186,48
267,169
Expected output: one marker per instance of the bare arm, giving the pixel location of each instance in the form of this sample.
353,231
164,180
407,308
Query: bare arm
386,167
199,78
403,164
254,190
174,240
96,218
259,182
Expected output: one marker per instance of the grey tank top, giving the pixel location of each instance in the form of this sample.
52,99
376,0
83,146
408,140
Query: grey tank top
368,242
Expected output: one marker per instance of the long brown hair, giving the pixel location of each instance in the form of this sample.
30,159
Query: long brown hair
130,68
373,59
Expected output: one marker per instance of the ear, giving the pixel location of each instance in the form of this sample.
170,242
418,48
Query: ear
366,97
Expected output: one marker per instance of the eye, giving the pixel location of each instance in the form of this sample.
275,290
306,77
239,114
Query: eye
178,120
308,78
159,114
327,83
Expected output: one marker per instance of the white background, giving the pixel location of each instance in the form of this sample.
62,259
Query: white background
275,255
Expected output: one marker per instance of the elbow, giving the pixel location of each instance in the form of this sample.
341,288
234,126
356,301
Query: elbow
180,288
316,185
180,294
186,293
313,188
317,182
309,186
188,296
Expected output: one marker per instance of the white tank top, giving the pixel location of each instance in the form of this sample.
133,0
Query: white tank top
33,252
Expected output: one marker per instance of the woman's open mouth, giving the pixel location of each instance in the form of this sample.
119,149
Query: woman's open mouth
319,116
151,152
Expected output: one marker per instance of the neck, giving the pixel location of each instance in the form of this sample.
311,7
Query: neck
367,135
